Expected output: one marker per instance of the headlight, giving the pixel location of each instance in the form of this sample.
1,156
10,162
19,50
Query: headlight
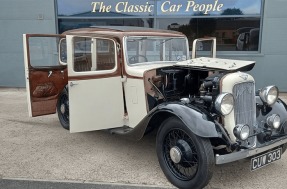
224,103
241,131
269,94
274,121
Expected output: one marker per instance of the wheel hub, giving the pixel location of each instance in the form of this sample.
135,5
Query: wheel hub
63,108
175,154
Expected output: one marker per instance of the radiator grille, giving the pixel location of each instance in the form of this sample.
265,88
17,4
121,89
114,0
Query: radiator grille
245,105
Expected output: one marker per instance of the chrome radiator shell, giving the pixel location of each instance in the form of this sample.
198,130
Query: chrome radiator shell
242,86
245,108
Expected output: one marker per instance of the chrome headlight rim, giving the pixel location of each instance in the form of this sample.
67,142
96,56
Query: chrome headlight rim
273,121
265,92
241,131
219,103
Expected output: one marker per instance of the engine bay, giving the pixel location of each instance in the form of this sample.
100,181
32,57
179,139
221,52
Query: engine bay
181,84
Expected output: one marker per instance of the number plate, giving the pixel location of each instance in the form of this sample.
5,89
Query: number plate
265,159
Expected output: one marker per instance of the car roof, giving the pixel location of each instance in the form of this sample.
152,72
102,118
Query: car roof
120,31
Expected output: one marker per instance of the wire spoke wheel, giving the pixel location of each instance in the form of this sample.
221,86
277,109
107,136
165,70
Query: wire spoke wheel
187,167
186,159
63,109
64,101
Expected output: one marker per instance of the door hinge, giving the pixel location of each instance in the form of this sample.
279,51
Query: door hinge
123,79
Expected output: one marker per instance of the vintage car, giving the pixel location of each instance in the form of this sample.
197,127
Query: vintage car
130,80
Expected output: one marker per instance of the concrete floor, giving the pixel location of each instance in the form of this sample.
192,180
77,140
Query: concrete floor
38,148
40,184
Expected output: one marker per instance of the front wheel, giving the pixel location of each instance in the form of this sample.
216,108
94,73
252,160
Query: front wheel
63,109
186,159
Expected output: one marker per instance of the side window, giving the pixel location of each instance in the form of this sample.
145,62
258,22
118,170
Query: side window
63,51
43,51
93,54
105,53
82,54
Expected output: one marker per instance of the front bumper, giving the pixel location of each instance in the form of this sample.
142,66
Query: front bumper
221,159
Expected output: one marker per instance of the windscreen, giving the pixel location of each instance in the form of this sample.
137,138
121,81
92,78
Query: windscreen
155,49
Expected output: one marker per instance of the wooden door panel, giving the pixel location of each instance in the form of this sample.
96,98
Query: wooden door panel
45,86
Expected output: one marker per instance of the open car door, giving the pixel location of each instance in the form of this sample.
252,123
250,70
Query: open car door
45,76
95,84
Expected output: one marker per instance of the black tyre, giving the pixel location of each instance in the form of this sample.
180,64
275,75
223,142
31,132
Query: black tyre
186,159
63,109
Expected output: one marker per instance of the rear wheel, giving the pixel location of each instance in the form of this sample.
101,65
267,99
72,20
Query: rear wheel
63,109
186,159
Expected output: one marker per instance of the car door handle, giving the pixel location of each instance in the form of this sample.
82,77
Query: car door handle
72,84
50,73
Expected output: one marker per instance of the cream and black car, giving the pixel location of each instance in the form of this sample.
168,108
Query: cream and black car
130,80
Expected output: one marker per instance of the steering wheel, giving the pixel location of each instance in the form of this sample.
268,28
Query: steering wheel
135,59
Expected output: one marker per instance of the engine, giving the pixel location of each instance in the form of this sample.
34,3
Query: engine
175,83
171,84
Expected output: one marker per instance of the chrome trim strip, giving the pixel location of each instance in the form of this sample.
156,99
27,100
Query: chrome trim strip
221,159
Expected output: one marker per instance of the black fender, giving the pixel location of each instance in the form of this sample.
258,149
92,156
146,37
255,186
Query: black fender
196,120
279,108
